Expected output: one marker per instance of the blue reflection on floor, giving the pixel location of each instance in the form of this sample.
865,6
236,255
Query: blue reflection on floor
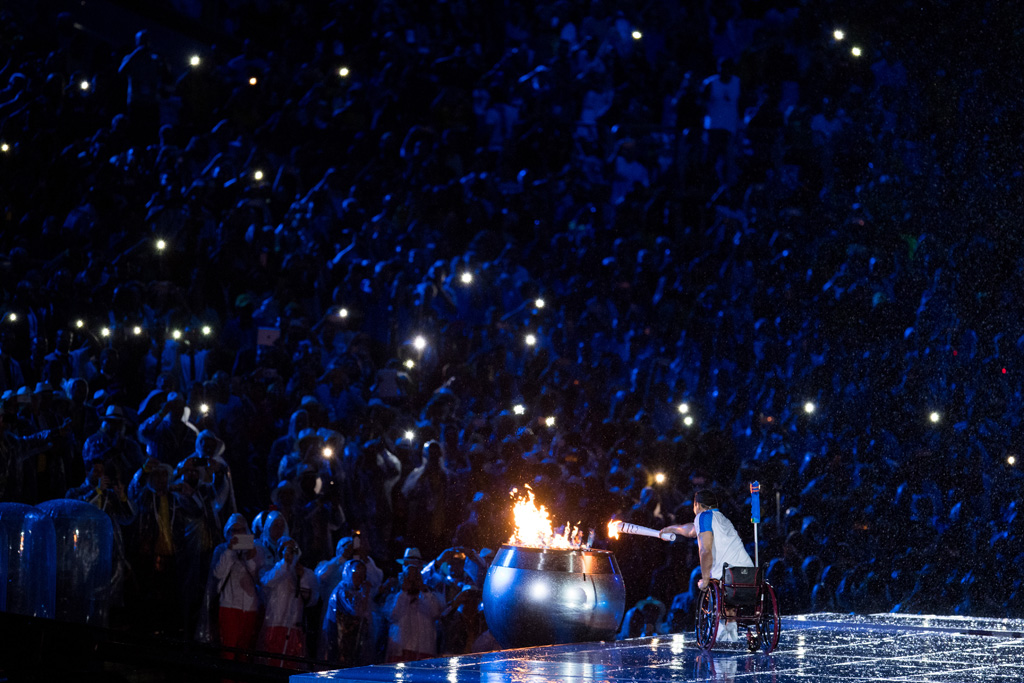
819,647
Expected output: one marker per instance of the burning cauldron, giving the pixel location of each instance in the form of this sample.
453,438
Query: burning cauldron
544,596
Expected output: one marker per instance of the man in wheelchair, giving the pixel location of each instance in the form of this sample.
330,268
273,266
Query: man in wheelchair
719,546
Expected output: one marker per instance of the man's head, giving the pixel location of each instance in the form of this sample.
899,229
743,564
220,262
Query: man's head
79,390
703,500
354,573
191,471
94,471
412,580
158,476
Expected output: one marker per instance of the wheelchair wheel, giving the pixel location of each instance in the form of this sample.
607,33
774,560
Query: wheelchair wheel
768,621
709,611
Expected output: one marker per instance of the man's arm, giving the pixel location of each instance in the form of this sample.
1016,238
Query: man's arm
687,530
705,541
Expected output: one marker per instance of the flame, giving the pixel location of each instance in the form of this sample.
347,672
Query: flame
533,526
614,528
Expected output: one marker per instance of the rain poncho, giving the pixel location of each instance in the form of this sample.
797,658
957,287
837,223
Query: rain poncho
346,636
286,594
224,499
233,582
267,542
413,619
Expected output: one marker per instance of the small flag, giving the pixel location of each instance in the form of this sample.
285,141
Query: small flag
755,502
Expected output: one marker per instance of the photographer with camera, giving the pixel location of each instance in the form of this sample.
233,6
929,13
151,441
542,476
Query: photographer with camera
288,589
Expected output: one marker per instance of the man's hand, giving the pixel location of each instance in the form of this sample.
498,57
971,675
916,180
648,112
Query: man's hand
703,584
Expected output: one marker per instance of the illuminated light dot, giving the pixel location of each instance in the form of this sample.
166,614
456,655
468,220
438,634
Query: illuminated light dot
688,421
176,334
204,408
84,85
838,34
409,435
79,324
258,175
105,332
934,417
659,478
194,60
343,72
252,81
539,590
342,312
519,409
539,303
419,343
466,278
12,317
637,35
1011,460
328,451
410,363
684,408
161,245
207,330
136,330
809,407
954,352
531,340
4,147
1004,371
549,421
856,52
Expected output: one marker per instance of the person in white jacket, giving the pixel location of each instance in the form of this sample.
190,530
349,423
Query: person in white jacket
412,613
235,579
288,589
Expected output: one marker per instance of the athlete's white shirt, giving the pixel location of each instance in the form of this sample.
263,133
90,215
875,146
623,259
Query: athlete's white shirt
727,547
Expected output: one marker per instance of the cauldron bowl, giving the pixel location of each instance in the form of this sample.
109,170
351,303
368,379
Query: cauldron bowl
547,596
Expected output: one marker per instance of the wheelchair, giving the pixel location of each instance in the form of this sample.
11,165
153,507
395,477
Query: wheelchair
744,590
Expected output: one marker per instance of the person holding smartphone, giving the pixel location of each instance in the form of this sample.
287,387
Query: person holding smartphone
234,581
288,589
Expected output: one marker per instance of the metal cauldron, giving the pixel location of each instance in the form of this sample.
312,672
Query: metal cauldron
535,596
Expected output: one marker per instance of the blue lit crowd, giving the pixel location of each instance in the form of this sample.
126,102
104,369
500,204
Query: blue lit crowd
299,312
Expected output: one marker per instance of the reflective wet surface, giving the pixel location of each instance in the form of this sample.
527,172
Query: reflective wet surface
821,647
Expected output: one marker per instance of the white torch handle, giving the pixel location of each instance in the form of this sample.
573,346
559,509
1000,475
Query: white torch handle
637,530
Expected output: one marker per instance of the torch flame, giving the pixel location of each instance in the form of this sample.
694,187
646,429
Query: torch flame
614,527
533,526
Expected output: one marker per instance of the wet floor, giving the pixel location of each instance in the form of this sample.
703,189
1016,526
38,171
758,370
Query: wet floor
822,647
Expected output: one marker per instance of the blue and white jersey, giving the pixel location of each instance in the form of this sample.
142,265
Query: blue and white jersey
727,547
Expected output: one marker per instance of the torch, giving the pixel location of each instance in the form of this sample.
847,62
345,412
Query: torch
616,527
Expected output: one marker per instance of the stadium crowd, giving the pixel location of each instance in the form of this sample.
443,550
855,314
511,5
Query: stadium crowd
299,314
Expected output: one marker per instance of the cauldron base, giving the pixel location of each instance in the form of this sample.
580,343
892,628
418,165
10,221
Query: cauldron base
535,596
